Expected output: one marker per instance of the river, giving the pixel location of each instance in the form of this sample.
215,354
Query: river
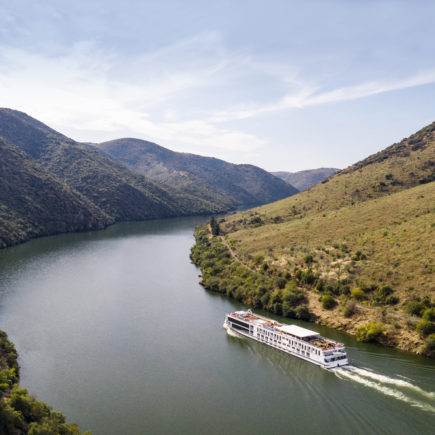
114,330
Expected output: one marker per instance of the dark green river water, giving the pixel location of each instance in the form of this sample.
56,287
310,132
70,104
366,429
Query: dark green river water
113,329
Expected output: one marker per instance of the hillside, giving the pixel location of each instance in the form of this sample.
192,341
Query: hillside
34,203
302,180
222,183
355,249
52,184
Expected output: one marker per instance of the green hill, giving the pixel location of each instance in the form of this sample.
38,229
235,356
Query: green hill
222,183
355,249
302,180
51,184
35,203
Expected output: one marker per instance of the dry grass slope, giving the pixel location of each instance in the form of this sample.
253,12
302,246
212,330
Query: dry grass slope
367,235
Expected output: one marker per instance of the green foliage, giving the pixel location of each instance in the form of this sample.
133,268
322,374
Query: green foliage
303,313
429,314
370,332
215,230
308,259
392,300
358,294
414,308
425,327
358,256
328,302
258,259
429,347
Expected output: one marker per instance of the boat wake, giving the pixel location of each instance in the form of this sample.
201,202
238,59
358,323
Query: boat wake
394,387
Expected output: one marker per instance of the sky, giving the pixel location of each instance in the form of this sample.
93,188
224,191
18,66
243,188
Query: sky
285,85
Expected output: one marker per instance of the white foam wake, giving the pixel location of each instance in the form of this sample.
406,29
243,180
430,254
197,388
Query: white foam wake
379,382
393,381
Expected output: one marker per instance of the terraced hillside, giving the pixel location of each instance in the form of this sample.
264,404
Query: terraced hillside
355,252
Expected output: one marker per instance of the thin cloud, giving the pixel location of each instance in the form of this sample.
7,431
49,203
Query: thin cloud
311,95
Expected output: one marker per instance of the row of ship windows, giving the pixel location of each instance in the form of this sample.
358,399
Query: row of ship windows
292,343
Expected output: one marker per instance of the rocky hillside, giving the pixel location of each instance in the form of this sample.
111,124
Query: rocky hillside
215,180
355,252
302,180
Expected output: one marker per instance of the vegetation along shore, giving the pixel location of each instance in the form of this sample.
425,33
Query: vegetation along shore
354,252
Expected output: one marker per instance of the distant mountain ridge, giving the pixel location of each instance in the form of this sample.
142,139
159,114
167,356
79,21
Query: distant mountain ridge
50,183
210,178
304,179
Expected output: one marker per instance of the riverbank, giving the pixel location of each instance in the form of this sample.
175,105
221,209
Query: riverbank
297,294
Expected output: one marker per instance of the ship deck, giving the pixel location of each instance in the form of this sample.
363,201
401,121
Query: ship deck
311,337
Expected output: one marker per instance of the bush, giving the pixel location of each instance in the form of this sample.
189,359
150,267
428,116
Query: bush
369,332
385,291
307,276
429,314
358,294
414,308
258,259
287,310
429,348
392,300
308,259
302,313
350,309
328,302
320,286
425,327
293,297
281,282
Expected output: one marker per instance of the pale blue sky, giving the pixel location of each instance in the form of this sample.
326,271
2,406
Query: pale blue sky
286,85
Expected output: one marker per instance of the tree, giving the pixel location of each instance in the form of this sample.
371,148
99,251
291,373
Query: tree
215,230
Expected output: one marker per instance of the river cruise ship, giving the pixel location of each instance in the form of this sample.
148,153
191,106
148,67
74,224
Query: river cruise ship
293,339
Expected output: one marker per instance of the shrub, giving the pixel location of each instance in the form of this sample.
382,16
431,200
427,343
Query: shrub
308,259
429,348
358,256
429,314
328,302
350,309
425,327
358,294
392,300
307,276
287,310
293,297
281,282
320,286
426,301
414,308
258,259
369,332
385,291
302,313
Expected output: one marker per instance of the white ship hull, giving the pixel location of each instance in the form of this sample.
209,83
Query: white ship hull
291,339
